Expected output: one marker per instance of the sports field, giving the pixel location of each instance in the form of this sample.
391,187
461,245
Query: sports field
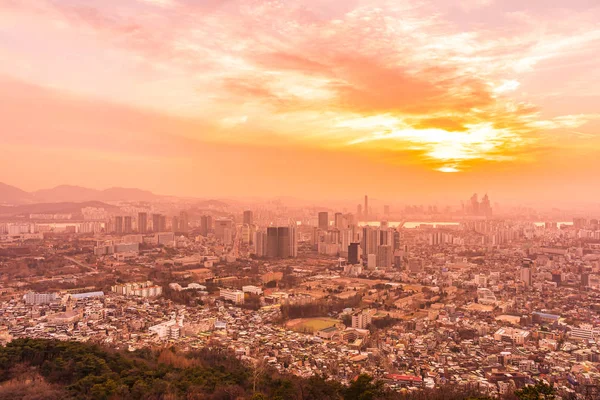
310,325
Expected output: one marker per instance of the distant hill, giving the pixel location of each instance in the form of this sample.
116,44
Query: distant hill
117,193
65,193
13,195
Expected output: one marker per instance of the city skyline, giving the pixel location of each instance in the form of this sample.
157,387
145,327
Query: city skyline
387,98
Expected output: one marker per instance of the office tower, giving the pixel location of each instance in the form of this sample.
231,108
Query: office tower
293,241
142,222
248,217
353,253
175,224
224,230
248,233
339,220
485,207
386,210
370,240
384,256
184,222
260,244
474,205
283,242
206,225
396,235
272,242
366,211
323,220
119,224
162,223
127,225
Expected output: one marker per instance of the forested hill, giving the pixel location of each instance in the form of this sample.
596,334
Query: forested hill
35,369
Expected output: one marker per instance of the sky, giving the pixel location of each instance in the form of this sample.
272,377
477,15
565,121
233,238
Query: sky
422,100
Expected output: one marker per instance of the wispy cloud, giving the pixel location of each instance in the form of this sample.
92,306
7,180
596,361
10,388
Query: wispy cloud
374,73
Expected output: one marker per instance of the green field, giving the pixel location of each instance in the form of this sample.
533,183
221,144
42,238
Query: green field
311,325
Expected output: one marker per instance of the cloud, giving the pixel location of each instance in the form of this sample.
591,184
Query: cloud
325,75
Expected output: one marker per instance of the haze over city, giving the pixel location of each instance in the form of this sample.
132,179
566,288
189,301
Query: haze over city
313,99
299,200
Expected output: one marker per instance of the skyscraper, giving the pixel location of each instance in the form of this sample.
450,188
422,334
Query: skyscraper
260,243
339,220
184,222
323,220
248,217
353,253
142,222
206,225
272,242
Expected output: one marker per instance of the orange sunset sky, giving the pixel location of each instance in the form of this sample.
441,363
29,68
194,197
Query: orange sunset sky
431,99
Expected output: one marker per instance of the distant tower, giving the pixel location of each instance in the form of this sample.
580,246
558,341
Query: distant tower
206,225
183,221
127,225
119,224
323,220
339,220
366,211
142,222
248,217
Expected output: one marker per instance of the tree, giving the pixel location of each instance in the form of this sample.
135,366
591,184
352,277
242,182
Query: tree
363,388
539,391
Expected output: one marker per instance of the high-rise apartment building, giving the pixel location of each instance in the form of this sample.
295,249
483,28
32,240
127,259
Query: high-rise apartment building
282,242
184,222
159,223
118,224
127,224
142,222
323,220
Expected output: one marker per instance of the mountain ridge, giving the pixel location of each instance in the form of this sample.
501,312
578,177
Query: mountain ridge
12,195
